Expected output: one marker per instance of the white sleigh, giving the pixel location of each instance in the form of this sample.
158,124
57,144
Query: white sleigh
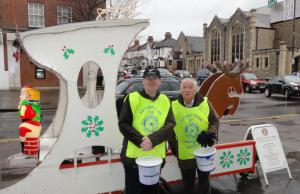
87,42
47,48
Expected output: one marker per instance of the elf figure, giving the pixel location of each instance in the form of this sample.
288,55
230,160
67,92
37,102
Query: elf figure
29,113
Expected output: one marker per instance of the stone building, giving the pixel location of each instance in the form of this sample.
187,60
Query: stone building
188,53
261,35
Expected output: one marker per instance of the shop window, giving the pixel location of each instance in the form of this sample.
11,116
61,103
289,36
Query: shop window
40,73
266,63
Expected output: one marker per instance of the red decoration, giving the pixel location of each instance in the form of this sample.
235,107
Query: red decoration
16,55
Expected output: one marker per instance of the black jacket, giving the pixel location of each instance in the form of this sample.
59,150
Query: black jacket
130,134
213,126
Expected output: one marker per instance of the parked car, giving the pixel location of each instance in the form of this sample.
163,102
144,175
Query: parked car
202,74
170,85
130,73
287,85
250,82
163,71
182,74
297,74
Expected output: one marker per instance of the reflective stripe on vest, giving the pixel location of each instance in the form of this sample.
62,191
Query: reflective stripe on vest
190,122
148,117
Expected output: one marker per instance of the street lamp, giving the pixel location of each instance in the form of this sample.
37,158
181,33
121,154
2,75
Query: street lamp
194,66
293,39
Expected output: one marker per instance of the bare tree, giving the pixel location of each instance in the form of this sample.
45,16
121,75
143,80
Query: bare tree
86,10
120,9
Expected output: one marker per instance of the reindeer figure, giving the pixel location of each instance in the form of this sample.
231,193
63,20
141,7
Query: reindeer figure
218,86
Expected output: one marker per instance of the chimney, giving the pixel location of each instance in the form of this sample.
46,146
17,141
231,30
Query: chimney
136,43
150,39
204,29
168,35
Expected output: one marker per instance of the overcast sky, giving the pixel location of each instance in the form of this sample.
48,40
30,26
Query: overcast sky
188,15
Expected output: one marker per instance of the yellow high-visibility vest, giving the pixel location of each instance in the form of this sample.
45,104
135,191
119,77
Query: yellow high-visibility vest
148,117
190,122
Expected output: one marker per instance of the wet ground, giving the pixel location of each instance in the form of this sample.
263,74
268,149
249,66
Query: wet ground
254,109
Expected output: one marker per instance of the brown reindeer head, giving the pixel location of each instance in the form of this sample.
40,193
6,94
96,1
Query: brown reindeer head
233,71
218,86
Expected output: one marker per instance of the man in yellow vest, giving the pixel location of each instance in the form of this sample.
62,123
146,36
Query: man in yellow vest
196,126
146,122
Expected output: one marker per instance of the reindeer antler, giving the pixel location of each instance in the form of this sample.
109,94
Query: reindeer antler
210,67
237,68
233,69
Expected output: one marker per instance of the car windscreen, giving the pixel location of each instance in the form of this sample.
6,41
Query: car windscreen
291,78
169,86
249,76
121,87
204,72
164,71
185,73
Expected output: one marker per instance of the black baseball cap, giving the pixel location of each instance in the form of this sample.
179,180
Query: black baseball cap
151,72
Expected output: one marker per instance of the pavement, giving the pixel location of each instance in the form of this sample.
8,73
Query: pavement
231,130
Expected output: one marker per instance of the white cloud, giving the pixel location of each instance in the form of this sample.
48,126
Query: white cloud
188,15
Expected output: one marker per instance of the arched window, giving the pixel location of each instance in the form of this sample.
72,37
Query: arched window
215,45
237,42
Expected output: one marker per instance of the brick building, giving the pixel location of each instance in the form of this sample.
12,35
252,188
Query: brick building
155,53
263,36
15,68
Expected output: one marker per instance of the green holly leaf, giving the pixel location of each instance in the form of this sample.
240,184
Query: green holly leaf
112,52
89,133
66,56
90,118
70,51
106,50
96,133
100,122
96,118
84,129
84,122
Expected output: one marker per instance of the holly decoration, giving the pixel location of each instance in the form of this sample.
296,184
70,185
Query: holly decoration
67,52
226,159
243,156
109,50
92,126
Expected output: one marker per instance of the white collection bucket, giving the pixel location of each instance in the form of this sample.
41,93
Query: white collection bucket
149,169
205,159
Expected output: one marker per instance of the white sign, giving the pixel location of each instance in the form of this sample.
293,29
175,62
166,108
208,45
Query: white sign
269,149
232,158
